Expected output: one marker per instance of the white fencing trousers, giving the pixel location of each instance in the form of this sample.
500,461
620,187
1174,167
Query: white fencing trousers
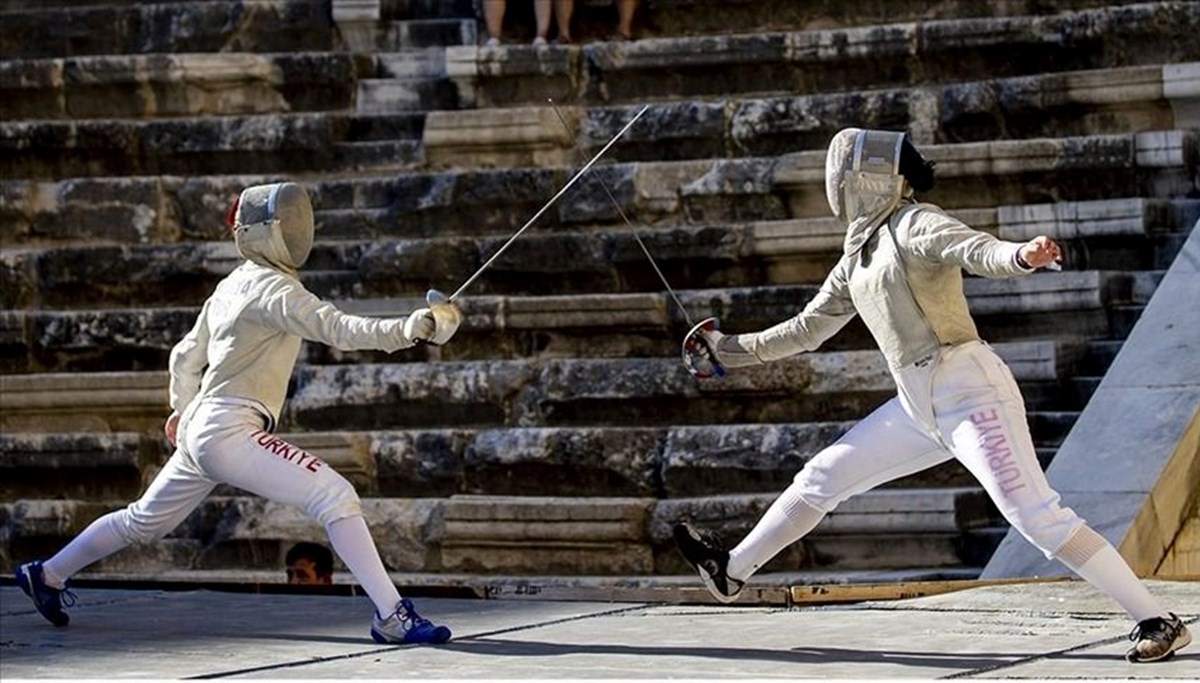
980,420
224,442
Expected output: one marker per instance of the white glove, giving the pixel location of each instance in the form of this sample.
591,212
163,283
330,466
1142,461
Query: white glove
732,351
707,352
420,326
434,325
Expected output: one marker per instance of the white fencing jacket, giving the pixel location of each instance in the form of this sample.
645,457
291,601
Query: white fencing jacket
906,283
246,340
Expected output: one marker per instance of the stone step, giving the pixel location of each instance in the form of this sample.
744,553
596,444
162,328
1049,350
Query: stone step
847,59
506,534
1083,388
73,462
1122,318
96,466
145,86
662,17
1098,356
376,155
429,63
268,143
387,95
976,174
1047,306
770,252
656,462
673,18
821,386
386,127
1093,102
478,202
425,33
769,589
1123,100
187,26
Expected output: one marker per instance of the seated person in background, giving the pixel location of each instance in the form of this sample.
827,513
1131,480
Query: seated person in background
309,564
493,17
625,12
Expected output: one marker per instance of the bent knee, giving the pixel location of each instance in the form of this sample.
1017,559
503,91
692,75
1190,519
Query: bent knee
336,500
816,489
1047,528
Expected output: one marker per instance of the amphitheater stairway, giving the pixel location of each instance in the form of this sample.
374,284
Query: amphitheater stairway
559,433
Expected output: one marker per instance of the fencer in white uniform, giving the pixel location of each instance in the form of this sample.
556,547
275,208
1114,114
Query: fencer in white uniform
228,381
901,271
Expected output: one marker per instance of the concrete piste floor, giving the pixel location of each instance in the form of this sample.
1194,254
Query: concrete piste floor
1053,630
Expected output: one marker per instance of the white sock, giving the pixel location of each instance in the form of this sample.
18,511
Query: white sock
1092,557
99,540
352,542
785,522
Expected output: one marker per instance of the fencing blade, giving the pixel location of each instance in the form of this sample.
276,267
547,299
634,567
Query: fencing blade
699,357
450,299
628,223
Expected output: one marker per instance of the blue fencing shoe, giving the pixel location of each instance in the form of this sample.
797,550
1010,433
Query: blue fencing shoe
405,626
48,600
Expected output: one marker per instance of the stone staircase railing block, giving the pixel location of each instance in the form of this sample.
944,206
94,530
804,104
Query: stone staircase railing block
545,535
1181,86
529,136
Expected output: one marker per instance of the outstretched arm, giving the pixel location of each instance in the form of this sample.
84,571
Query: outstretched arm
828,312
939,238
293,309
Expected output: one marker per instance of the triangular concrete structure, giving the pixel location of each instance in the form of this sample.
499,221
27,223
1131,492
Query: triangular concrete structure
1131,465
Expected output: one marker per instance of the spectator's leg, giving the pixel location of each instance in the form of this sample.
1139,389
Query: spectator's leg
563,9
493,16
625,10
541,11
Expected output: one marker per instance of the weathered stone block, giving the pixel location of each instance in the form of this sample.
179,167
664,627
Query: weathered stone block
667,130
547,535
496,77
356,22
229,144
1181,86
741,458
421,462
91,402
525,136
1048,292
735,191
381,396
256,532
975,174
1070,220
171,27
600,461
78,466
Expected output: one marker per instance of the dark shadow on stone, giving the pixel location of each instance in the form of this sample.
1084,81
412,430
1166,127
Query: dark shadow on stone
799,655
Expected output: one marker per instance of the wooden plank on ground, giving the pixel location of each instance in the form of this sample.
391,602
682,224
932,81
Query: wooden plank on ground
899,590
674,595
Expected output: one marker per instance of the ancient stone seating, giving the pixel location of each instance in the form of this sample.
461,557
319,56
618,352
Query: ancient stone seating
830,60
558,433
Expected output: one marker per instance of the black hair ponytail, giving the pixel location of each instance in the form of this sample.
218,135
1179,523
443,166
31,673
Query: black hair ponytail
915,168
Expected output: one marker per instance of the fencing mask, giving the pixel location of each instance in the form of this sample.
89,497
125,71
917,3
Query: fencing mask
273,225
868,174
